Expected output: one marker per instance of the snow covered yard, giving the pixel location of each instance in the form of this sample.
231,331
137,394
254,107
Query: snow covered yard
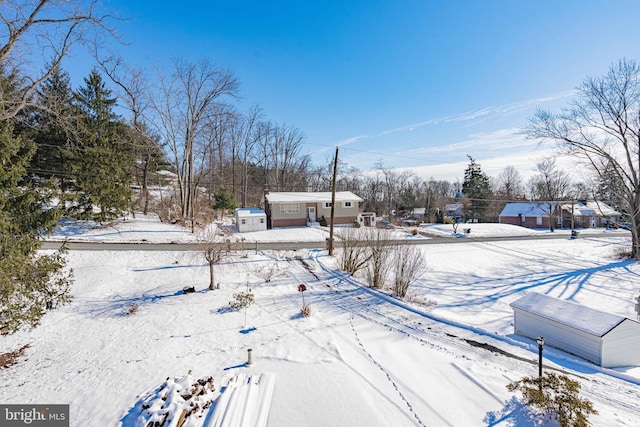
362,358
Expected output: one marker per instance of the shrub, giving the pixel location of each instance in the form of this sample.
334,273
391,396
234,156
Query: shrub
623,252
11,358
409,263
241,300
306,311
557,395
131,309
356,224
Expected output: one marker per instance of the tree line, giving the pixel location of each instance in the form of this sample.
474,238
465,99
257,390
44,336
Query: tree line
94,151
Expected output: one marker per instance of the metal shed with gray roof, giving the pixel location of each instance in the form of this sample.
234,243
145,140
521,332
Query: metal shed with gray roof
606,339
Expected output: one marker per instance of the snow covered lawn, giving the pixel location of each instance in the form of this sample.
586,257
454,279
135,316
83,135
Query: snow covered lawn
363,358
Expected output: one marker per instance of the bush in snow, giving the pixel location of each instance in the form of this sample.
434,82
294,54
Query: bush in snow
306,311
268,271
11,358
354,254
557,396
131,309
623,252
241,300
379,242
409,263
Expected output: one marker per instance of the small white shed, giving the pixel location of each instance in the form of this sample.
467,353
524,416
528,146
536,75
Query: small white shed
606,339
250,219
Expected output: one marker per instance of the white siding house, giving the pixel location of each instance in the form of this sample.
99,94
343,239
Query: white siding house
250,219
606,339
299,209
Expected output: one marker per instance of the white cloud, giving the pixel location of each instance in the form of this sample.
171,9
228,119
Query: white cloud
524,162
478,143
351,140
484,112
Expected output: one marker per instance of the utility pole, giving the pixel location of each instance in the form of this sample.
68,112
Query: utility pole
333,202
574,233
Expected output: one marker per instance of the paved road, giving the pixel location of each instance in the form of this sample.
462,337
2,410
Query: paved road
109,246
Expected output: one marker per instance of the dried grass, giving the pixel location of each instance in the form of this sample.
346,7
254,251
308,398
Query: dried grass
11,358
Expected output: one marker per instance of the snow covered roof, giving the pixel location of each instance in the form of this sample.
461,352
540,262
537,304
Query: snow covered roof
310,197
249,212
590,208
589,320
527,209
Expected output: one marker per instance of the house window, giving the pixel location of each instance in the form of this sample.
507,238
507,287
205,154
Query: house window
244,221
261,220
538,220
347,204
289,208
327,205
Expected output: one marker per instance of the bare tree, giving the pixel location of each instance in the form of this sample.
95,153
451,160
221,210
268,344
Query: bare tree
35,36
509,185
355,254
379,244
243,139
409,263
269,271
213,242
184,104
133,90
279,148
601,129
549,187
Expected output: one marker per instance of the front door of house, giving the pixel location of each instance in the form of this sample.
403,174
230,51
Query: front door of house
311,213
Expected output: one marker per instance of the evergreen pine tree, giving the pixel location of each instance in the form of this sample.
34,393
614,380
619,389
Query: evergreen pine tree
477,188
225,199
54,132
29,284
102,168
609,186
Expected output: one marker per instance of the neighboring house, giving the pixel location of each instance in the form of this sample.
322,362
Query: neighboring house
454,211
606,339
528,214
300,209
589,214
250,219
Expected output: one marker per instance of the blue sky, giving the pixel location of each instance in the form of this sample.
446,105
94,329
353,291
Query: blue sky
414,84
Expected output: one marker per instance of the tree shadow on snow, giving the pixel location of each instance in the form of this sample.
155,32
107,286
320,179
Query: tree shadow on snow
566,284
120,306
517,414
